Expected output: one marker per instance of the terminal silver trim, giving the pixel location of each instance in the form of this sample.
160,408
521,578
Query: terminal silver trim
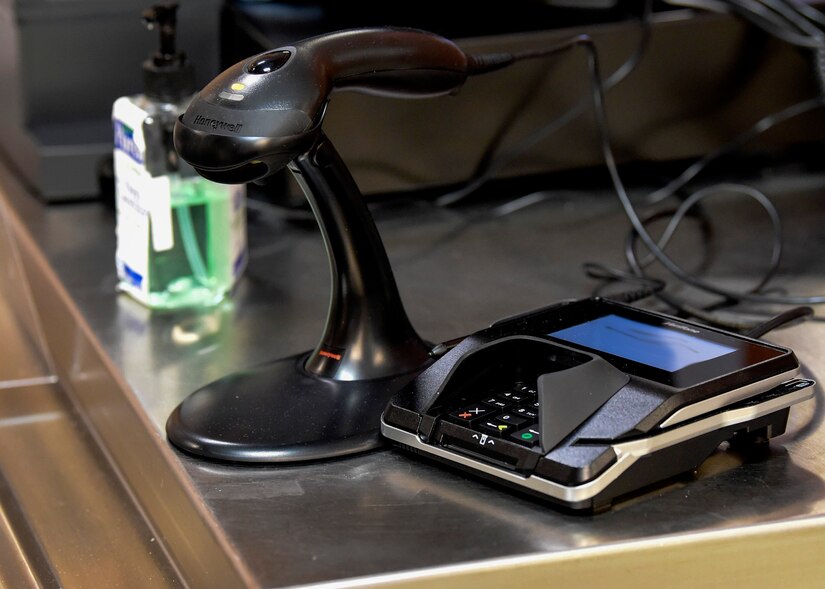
719,401
627,453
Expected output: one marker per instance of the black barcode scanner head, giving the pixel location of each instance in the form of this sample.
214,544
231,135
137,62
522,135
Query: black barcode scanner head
261,113
258,116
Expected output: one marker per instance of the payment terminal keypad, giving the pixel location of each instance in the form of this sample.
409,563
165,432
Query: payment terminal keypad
510,413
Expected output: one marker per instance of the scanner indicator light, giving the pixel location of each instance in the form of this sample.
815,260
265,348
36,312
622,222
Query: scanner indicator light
230,96
328,354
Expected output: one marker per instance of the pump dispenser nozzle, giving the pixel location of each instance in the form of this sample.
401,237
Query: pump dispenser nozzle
167,75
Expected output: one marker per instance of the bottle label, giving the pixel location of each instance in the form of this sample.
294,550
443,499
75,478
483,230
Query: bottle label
177,238
144,210
132,230
125,141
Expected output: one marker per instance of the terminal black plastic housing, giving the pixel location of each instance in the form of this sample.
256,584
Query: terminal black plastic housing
521,404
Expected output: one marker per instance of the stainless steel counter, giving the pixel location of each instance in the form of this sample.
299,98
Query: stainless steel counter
386,517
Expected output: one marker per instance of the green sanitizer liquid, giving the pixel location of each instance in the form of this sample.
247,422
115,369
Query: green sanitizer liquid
199,270
181,241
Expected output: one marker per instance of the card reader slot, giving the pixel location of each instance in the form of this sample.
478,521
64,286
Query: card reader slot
508,462
487,448
786,388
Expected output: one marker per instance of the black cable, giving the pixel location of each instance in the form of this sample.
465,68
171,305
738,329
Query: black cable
779,320
726,187
795,19
607,274
651,286
489,63
597,89
676,216
806,26
484,173
762,125
792,22
809,12
586,43
758,15
632,215
486,158
773,22
682,307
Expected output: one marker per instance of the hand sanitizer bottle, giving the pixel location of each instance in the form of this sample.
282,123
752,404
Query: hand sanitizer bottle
181,239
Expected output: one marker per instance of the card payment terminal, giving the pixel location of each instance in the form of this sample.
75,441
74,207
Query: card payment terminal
586,401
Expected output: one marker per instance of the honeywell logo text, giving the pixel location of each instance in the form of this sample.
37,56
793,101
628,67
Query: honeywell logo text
217,124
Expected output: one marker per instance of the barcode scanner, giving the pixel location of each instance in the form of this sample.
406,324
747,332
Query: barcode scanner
263,112
257,117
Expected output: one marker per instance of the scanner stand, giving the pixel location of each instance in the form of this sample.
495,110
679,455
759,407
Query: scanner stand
326,402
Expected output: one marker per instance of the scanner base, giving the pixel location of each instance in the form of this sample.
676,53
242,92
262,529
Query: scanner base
279,412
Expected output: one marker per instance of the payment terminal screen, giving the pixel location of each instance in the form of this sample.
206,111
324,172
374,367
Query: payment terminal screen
662,348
